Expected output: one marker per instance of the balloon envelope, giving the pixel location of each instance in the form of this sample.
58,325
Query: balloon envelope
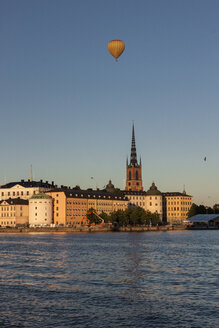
116,48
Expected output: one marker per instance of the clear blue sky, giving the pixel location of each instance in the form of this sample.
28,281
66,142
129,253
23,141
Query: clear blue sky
67,107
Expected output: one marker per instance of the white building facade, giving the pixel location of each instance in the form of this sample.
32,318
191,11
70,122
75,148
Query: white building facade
154,200
23,189
40,210
151,200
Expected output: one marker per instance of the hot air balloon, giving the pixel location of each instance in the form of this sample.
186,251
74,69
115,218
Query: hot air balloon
116,48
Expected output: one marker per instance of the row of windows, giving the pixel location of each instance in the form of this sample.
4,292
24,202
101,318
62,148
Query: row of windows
74,214
135,177
7,222
177,203
186,198
94,196
76,202
9,214
18,193
183,209
40,214
177,214
77,209
8,208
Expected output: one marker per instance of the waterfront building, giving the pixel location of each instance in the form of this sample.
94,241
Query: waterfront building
203,221
24,189
13,212
133,169
136,198
176,206
154,200
40,210
151,200
70,206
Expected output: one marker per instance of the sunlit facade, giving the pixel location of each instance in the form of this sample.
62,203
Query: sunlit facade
14,212
176,206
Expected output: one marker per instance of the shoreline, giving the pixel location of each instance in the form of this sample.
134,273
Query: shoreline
86,229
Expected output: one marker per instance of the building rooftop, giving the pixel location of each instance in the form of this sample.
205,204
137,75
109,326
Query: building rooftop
93,194
40,196
29,184
15,201
174,194
203,218
153,190
131,192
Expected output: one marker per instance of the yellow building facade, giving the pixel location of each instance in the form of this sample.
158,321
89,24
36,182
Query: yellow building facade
14,212
70,206
177,206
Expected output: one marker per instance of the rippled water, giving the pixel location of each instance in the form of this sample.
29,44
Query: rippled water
152,279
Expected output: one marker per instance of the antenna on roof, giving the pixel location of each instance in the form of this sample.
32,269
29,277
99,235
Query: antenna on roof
31,173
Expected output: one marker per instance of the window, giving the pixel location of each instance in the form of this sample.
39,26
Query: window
136,174
130,175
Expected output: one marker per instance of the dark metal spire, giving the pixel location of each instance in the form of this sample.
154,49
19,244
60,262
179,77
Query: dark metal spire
133,159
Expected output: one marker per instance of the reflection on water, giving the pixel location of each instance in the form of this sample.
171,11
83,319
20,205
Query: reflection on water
161,279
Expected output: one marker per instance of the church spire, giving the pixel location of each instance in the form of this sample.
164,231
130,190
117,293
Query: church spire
133,159
133,169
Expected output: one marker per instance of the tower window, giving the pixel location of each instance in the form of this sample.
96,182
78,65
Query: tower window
136,175
130,176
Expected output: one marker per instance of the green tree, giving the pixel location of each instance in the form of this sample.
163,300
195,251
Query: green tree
105,217
155,218
92,217
137,216
194,209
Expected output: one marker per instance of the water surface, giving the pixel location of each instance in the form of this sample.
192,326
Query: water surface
151,279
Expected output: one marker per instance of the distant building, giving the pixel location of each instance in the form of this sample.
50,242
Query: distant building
70,206
151,200
203,221
24,189
154,200
176,206
133,169
40,210
136,198
14,212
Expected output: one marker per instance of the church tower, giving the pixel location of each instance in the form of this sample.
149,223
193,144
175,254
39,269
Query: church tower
133,169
